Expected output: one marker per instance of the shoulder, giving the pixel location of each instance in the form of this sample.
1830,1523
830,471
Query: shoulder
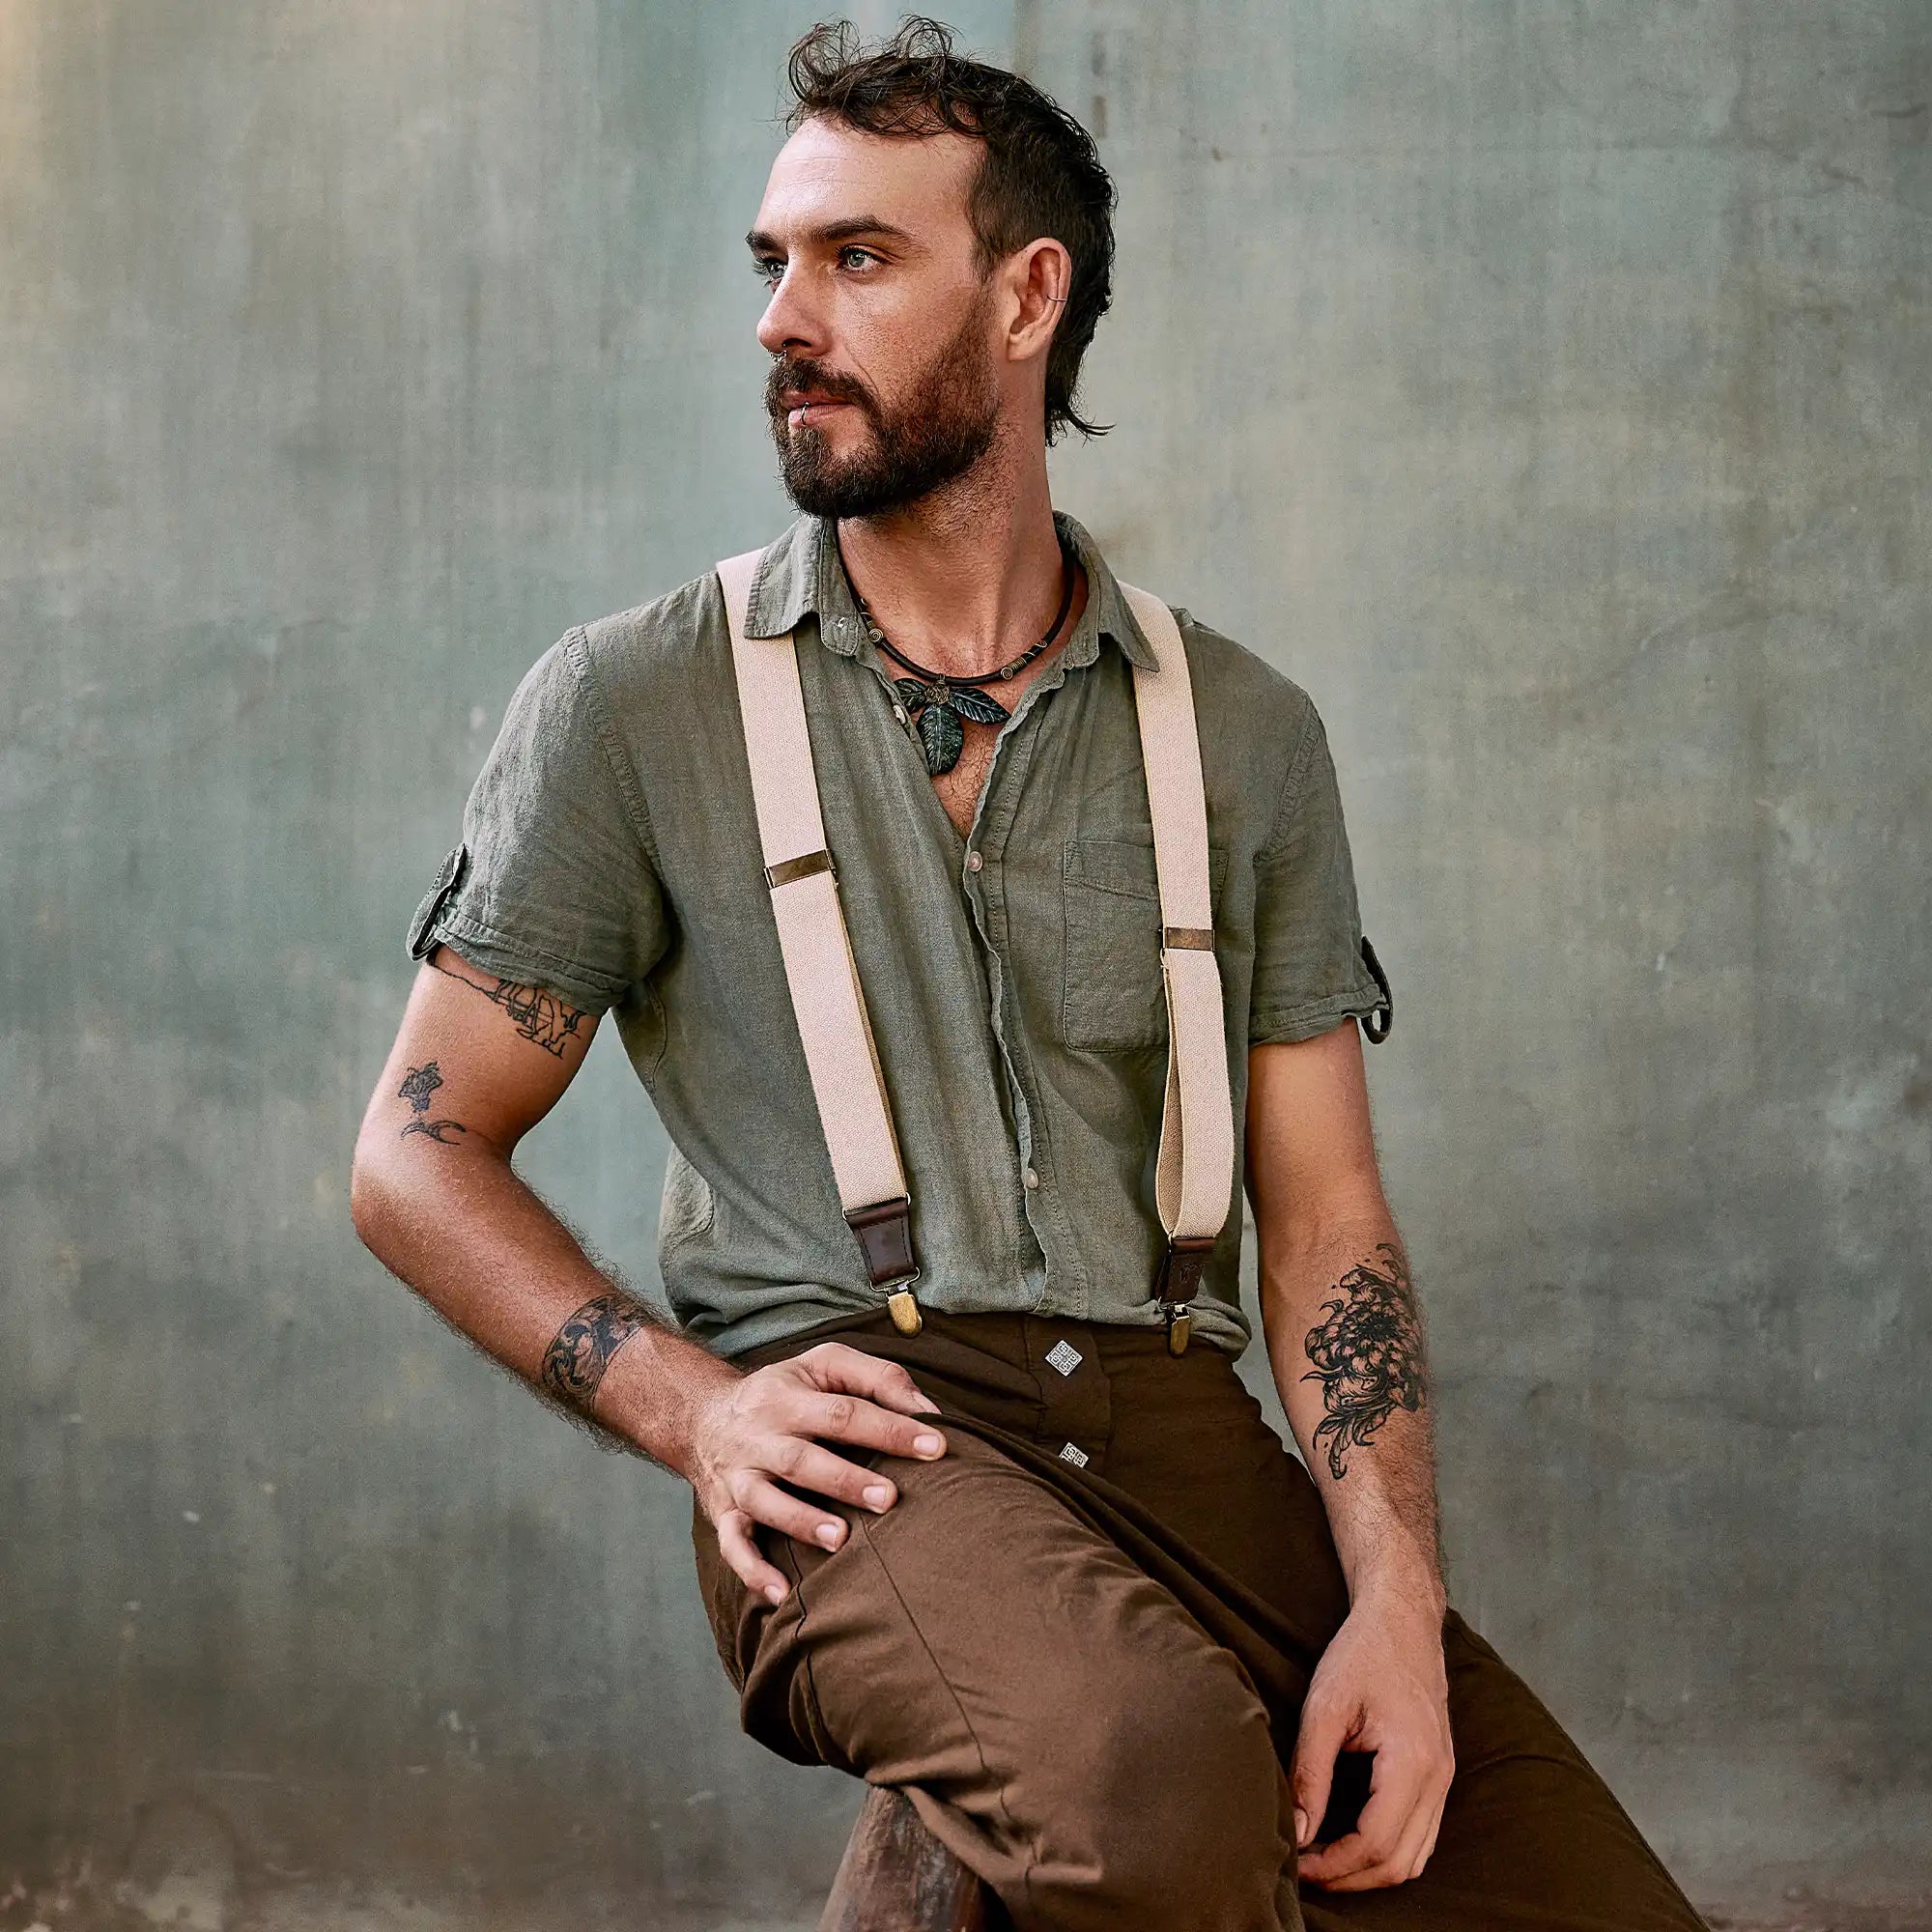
1236,690
665,634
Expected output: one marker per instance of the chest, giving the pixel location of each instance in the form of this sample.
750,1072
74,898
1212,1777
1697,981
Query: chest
960,788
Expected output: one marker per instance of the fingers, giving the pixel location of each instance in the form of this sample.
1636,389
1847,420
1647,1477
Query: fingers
1396,1831
852,1419
737,1547
1435,1830
781,1510
761,1447
807,1466
1324,1729
836,1364
1444,1777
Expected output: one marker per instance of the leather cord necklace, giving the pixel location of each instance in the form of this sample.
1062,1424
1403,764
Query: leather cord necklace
942,704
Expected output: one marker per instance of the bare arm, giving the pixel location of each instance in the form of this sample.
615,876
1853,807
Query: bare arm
1345,1341
476,1064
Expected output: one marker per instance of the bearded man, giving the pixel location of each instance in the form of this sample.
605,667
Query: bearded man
1134,1661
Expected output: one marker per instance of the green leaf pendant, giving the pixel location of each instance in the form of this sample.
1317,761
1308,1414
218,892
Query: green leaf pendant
939,710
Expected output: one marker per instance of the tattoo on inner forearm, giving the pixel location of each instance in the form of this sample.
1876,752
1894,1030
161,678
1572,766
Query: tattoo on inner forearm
573,1364
1367,1355
422,1082
541,1016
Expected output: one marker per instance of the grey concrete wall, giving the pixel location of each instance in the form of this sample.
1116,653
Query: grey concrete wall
1545,386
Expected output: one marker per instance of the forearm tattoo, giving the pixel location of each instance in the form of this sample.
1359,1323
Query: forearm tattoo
422,1082
1367,1355
573,1364
540,1015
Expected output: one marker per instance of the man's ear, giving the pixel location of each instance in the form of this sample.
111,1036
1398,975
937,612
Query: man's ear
1040,278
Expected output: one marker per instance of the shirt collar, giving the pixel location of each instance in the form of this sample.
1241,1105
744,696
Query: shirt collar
803,573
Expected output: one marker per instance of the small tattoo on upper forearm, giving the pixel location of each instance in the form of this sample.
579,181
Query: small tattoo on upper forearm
541,1016
573,1364
421,1082
1367,1355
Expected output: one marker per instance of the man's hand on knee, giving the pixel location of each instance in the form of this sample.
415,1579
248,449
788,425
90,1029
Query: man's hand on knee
761,1428
1382,1686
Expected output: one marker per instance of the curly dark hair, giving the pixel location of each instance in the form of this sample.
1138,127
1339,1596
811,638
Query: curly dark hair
1040,173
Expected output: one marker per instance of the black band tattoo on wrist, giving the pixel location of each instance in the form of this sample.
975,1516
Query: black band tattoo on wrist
541,1016
1367,1355
422,1082
573,1364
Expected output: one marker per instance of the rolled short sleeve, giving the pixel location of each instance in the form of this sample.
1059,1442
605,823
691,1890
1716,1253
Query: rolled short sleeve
1313,967
552,883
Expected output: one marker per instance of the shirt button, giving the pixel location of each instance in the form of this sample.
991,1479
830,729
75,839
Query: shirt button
973,862
899,712
1031,1178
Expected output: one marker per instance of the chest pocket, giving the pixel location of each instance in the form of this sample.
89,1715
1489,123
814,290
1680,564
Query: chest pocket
1110,993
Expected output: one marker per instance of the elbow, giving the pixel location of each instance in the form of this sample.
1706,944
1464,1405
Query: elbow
368,1194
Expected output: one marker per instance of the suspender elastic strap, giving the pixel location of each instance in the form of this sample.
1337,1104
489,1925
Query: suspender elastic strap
839,1051
1194,1169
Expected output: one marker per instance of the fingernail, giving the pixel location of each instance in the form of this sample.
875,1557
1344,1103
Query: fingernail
1300,1826
827,1533
878,1495
928,1445
775,1592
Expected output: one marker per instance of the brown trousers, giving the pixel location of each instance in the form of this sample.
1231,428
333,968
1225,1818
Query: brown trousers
1088,1677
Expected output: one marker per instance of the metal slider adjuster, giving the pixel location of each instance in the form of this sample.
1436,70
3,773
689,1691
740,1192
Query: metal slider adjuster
1190,938
885,1239
1181,1268
800,868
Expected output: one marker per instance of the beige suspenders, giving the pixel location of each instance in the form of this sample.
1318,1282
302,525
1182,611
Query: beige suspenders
1194,1172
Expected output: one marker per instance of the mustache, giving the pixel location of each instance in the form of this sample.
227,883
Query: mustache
786,375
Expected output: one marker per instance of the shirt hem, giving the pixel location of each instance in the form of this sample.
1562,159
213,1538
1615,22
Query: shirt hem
1303,1022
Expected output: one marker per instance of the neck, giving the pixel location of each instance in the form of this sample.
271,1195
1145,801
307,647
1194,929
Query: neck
970,575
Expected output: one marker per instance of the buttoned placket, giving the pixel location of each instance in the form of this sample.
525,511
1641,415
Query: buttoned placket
980,881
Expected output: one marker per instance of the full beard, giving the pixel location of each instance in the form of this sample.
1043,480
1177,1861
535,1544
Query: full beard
948,425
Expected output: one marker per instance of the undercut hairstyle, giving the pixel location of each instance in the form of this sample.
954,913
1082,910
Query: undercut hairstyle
1040,173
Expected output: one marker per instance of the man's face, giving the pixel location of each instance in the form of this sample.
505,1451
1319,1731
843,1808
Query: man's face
884,383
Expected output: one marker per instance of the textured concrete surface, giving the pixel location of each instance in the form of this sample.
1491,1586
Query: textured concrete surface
1545,386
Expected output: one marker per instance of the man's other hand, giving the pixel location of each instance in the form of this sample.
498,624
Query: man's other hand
1380,1687
760,1428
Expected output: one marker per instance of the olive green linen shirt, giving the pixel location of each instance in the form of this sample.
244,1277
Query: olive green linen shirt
610,852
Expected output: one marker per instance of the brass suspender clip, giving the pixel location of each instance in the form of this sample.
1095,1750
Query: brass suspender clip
1174,1285
885,1238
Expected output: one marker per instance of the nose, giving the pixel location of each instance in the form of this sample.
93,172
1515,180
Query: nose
790,322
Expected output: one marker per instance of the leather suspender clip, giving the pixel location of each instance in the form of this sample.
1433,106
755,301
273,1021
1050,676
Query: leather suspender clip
885,1239
1174,1285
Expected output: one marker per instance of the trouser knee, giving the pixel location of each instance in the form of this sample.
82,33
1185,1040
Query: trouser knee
1175,1811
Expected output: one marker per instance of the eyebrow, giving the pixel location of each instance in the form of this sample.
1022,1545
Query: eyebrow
761,243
